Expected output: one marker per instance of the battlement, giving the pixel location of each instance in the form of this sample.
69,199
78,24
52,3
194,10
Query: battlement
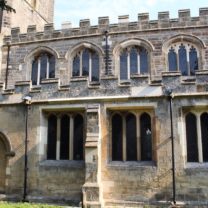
142,24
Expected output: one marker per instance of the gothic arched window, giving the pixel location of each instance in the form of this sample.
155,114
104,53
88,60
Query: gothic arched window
86,63
133,60
43,67
184,58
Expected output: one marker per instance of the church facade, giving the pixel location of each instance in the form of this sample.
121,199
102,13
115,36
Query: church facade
88,114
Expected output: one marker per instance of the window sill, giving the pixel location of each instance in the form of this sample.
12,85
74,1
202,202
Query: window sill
63,164
132,164
78,79
140,76
125,83
196,165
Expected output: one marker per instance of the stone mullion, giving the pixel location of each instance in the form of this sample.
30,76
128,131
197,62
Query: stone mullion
38,75
188,61
90,67
128,66
80,65
138,138
47,69
58,139
138,63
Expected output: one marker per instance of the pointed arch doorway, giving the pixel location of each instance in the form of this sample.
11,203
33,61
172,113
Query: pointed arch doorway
2,166
5,154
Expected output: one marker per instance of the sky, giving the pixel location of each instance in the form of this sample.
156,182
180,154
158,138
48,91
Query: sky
75,10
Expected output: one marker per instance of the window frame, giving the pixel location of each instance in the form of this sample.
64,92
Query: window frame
39,69
197,113
59,116
137,114
187,46
79,54
128,51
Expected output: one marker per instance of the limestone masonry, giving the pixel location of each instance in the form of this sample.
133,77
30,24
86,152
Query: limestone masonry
92,107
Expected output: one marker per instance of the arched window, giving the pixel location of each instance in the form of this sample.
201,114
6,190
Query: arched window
183,57
146,137
52,137
133,60
117,133
129,142
191,138
131,137
65,137
43,67
78,137
172,60
204,135
86,63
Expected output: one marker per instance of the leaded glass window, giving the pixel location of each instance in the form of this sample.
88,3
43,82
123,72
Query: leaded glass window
86,63
133,60
65,137
131,136
43,67
183,57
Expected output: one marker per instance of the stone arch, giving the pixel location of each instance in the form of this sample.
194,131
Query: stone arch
5,153
131,42
28,59
85,44
187,39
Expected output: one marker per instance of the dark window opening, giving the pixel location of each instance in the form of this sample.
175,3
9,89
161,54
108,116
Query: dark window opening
64,146
95,67
146,137
191,137
143,61
117,146
134,61
52,135
183,66
123,66
193,60
172,60
85,62
131,138
204,132
76,66
78,137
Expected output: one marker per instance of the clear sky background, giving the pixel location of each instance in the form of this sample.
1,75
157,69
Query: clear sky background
75,10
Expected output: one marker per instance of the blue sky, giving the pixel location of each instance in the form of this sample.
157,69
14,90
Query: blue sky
75,10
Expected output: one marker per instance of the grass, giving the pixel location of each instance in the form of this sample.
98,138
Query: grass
26,205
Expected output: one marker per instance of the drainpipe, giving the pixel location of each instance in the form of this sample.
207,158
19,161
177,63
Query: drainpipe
7,65
106,52
169,95
27,103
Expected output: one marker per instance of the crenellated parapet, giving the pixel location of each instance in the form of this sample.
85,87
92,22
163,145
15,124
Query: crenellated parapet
143,23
